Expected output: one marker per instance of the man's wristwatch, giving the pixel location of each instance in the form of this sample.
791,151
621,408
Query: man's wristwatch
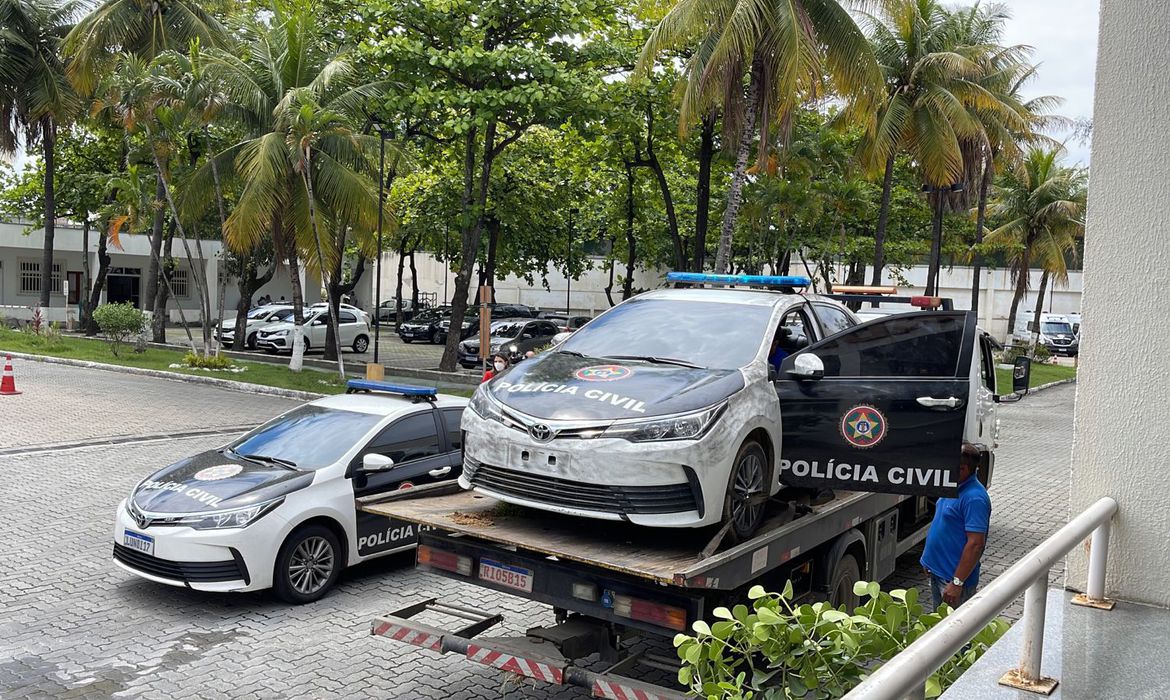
957,581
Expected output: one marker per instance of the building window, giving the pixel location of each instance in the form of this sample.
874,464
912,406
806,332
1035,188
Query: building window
30,277
179,282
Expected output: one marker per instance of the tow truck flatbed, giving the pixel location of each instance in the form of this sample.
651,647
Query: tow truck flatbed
666,557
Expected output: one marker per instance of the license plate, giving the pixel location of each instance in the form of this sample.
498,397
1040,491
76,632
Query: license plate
515,577
138,541
522,457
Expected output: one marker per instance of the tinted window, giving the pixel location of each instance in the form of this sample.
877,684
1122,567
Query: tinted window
833,320
507,330
546,329
311,436
1055,328
411,438
259,312
705,333
451,417
987,364
347,317
911,345
283,315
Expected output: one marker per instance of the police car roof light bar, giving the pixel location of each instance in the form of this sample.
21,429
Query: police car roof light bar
418,393
768,281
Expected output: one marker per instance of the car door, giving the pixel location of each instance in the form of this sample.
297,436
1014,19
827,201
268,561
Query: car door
417,443
889,412
348,325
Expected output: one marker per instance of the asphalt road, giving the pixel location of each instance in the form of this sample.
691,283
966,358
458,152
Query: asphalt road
74,626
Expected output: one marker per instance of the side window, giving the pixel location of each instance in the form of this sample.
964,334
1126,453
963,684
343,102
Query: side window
406,440
347,317
987,363
451,418
799,330
914,345
833,320
547,329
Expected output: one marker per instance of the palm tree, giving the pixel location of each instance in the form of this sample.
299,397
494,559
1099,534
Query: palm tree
283,70
786,50
1042,205
932,61
35,96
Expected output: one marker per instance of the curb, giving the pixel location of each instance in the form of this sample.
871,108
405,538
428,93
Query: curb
242,387
1050,385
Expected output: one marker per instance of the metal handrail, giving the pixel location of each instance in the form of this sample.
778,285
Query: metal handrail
905,675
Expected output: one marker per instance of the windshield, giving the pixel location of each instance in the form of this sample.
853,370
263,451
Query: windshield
429,316
1055,328
258,312
708,334
311,437
507,330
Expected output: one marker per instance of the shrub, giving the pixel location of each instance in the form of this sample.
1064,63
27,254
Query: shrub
119,322
209,362
777,649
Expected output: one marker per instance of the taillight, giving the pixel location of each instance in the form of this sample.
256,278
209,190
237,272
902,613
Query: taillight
447,561
645,611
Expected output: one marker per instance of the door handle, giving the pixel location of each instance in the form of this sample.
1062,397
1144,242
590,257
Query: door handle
932,402
440,472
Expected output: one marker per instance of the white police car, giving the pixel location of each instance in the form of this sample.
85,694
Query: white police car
275,508
666,411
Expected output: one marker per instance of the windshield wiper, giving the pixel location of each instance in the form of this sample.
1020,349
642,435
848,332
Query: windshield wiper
655,360
574,353
269,459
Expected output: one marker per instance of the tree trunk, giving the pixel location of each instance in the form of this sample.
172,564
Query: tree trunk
1021,289
609,286
703,191
198,276
631,243
935,261
473,207
99,283
735,190
307,176
85,272
879,234
48,143
493,225
156,237
413,280
1039,309
980,214
163,290
398,286
335,291
680,261
295,362
248,284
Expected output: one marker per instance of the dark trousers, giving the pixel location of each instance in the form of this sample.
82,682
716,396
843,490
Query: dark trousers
939,584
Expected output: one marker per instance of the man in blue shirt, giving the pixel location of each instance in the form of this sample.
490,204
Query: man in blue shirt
958,535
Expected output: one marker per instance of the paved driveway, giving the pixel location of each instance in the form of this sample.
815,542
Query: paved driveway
72,625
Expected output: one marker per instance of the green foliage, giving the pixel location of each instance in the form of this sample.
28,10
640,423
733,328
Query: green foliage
778,649
119,322
207,361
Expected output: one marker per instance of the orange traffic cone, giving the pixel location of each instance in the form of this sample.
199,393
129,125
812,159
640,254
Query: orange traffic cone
8,383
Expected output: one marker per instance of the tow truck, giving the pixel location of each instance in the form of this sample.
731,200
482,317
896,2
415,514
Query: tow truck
612,584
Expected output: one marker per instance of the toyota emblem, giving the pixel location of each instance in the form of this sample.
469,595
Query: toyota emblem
541,432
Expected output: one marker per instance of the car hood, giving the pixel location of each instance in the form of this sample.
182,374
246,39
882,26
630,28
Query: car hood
279,326
211,481
559,386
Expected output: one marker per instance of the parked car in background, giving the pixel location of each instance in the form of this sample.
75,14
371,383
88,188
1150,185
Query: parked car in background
257,319
513,338
1055,332
354,330
344,307
424,326
566,323
388,310
500,312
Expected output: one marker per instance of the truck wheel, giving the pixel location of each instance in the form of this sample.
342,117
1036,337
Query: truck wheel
747,492
846,573
307,565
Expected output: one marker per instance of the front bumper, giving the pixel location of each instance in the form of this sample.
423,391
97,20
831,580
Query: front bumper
275,342
414,333
240,559
659,484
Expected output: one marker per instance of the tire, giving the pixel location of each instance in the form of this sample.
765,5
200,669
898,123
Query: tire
406,340
846,573
435,337
361,343
307,566
750,477
251,344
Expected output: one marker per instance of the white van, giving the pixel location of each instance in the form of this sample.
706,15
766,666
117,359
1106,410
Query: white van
1056,332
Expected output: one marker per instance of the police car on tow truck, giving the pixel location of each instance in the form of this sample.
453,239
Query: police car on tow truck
667,411
275,508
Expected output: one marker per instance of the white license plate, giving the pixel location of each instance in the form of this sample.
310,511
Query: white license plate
505,575
138,541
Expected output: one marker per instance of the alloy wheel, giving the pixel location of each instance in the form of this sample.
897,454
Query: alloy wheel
311,565
749,483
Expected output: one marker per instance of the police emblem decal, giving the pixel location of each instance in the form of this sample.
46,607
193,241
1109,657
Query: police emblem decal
863,426
603,373
222,471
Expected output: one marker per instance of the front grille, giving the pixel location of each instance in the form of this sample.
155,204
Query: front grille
185,571
645,500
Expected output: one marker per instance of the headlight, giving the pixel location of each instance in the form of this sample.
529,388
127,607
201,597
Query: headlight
279,333
684,426
494,348
484,405
238,517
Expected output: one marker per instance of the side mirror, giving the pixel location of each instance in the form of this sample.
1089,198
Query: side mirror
807,367
374,462
1021,378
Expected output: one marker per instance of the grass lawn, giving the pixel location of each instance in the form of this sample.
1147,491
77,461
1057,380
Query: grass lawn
1041,374
160,359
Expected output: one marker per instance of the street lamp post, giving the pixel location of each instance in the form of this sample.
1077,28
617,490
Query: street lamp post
446,258
569,264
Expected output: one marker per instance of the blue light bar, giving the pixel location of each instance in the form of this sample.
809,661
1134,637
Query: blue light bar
748,280
389,388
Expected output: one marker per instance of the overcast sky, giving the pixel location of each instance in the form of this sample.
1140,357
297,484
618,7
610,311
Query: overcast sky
1064,36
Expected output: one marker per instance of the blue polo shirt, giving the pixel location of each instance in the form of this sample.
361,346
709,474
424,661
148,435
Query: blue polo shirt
953,519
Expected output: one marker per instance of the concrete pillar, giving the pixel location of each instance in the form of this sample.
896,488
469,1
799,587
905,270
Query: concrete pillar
1120,447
